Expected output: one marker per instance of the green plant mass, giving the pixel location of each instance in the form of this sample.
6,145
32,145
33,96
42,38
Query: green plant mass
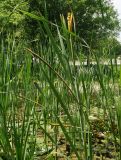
60,80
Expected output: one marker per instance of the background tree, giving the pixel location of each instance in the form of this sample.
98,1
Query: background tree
10,19
95,20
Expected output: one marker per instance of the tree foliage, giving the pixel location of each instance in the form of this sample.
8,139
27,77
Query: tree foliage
94,20
10,19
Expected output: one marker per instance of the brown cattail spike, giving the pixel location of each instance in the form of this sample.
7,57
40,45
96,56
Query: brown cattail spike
70,21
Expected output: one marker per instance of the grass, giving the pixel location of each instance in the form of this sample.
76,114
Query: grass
50,109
